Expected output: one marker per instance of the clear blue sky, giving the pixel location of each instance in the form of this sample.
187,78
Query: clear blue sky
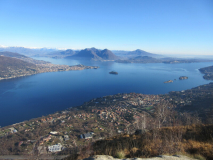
158,26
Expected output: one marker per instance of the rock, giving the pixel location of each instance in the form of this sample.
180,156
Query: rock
161,157
169,81
113,72
183,77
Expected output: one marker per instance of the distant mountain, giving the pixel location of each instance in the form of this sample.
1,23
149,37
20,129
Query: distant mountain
22,57
62,54
88,53
94,54
69,52
107,55
143,58
138,52
12,54
28,51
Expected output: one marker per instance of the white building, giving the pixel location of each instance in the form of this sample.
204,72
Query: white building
55,148
53,132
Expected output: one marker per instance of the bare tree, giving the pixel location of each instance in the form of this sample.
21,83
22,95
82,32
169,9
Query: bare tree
162,113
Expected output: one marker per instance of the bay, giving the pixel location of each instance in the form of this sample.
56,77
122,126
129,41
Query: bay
33,96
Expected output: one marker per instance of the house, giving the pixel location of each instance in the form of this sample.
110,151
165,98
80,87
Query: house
12,130
46,139
87,135
55,148
20,143
53,132
66,138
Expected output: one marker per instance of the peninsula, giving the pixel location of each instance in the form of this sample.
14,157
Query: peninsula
13,65
208,72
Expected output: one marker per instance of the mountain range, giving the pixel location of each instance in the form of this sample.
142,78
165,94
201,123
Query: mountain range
88,53
28,51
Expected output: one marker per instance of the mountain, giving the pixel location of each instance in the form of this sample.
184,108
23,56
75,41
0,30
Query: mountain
22,57
140,59
12,54
139,52
143,57
62,54
28,51
12,67
88,53
95,54
69,52
107,55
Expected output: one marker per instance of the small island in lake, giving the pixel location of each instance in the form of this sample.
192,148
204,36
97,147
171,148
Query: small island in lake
169,81
113,72
183,77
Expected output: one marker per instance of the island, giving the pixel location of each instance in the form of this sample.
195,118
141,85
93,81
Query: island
169,81
183,77
113,72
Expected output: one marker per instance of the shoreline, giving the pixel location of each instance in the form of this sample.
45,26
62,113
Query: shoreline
45,68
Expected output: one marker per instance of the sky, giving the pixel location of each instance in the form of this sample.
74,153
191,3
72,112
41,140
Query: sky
157,26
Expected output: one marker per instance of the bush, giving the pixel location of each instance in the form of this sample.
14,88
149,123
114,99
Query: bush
120,154
200,157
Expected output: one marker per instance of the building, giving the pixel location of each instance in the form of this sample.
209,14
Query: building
66,138
53,132
87,135
55,148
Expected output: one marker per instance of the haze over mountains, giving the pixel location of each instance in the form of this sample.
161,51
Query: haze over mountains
136,56
28,51
136,53
14,65
88,53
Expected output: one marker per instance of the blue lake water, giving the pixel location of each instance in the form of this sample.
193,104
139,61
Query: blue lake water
33,96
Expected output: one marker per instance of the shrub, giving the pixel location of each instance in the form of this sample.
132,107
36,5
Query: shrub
120,154
200,157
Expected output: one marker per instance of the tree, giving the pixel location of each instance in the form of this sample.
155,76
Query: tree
162,114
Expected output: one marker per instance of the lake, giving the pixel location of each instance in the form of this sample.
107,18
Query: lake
33,96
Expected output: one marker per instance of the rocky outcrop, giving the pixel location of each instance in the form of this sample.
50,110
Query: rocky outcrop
169,81
183,77
163,157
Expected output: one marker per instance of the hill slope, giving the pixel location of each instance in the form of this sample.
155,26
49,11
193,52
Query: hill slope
14,65
195,140
11,67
